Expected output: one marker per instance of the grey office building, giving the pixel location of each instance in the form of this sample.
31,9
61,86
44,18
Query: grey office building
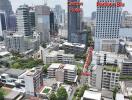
2,22
74,23
107,27
5,5
42,21
23,20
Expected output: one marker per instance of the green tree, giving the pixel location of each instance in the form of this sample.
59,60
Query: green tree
79,70
81,91
130,97
53,96
16,65
1,95
45,68
62,94
116,89
43,45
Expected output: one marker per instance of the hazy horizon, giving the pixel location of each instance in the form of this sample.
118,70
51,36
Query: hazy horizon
89,5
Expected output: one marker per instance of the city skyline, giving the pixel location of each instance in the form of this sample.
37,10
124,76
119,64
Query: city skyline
89,5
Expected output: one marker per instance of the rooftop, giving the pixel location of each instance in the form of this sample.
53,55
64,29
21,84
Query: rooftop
74,44
33,71
54,66
3,53
15,72
53,54
119,96
70,67
12,95
107,94
92,95
65,66
110,54
128,83
2,70
111,68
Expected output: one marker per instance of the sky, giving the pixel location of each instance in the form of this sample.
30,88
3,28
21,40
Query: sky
88,7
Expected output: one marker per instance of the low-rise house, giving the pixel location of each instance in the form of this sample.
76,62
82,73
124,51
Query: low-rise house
63,72
91,95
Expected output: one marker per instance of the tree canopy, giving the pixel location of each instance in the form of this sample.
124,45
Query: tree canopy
53,96
62,94
25,63
1,95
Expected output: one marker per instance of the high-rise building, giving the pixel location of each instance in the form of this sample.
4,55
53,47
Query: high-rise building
93,16
15,42
2,22
74,23
12,22
108,20
127,21
32,18
19,43
52,23
59,15
5,5
110,77
34,81
23,20
42,20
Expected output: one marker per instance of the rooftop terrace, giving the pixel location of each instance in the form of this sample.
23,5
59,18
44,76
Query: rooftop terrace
112,68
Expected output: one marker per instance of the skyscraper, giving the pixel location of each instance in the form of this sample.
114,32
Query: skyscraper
32,18
12,23
59,15
52,24
74,23
23,20
93,16
42,20
5,5
108,20
2,22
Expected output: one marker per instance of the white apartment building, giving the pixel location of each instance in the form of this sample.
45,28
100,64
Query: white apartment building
59,73
96,77
104,57
74,48
33,81
125,33
59,15
23,20
91,95
52,68
127,21
70,73
126,68
19,43
58,56
63,72
107,27
15,42
3,23
110,77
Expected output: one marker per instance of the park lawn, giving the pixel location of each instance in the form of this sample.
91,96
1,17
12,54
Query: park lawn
46,90
5,90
